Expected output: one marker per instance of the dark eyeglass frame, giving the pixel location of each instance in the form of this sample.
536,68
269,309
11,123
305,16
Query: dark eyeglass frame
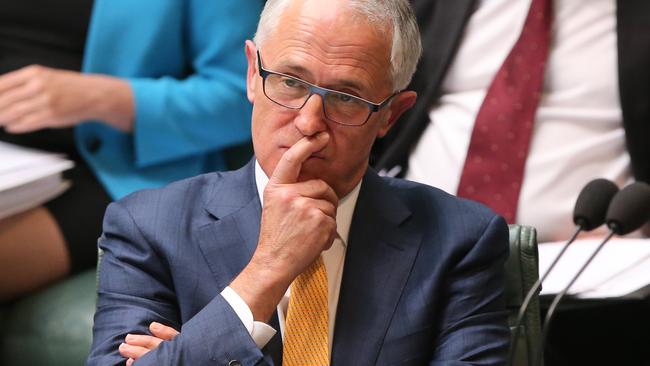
323,92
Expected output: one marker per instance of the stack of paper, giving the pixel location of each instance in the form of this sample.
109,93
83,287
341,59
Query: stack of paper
621,268
29,178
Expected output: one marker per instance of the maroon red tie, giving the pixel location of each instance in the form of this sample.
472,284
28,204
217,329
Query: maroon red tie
495,162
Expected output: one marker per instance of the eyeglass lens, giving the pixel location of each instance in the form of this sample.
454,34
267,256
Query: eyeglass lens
293,93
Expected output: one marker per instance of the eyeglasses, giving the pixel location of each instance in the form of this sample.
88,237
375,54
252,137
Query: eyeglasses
339,107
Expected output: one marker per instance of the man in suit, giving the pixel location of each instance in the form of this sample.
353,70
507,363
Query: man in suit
400,273
591,122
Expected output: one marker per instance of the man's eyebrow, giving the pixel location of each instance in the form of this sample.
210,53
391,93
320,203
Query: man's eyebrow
304,73
347,84
294,69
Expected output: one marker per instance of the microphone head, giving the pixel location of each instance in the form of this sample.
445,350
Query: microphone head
591,205
630,208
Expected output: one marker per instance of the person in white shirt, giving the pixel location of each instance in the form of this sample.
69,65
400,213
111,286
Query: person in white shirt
591,122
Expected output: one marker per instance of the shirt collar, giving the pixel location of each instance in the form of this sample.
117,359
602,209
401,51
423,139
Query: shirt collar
343,213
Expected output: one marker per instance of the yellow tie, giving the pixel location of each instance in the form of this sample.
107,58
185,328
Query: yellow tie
305,338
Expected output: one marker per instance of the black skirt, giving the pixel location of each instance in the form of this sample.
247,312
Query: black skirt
53,33
79,210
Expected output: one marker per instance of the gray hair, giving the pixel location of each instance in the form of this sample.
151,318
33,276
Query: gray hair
406,47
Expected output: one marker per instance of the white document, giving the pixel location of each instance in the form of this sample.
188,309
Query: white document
29,178
620,268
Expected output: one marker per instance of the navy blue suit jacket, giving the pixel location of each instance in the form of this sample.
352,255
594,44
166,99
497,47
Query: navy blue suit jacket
423,279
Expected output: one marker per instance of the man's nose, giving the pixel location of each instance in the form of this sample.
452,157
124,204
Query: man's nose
311,117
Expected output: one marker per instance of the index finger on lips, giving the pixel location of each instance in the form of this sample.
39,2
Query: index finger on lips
288,168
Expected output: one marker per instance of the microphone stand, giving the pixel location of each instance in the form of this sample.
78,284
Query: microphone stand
553,307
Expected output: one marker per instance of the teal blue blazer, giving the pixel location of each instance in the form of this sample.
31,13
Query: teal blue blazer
186,66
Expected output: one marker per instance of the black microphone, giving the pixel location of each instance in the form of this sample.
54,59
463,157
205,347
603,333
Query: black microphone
588,214
629,210
592,203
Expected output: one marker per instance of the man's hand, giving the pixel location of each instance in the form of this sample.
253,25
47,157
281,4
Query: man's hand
137,345
298,223
37,97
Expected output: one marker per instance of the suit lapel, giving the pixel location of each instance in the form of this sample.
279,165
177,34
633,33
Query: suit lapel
380,255
229,239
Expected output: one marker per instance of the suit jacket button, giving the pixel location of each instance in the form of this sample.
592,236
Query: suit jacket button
234,363
93,144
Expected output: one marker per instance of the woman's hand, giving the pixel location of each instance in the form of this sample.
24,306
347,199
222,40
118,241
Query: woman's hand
37,97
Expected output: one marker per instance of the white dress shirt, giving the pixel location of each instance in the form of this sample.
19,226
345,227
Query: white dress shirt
578,133
333,259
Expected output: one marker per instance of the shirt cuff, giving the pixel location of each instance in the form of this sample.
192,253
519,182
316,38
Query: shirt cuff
260,332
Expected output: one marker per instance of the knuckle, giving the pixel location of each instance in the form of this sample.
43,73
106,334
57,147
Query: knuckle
289,156
302,204
332,224
286,197
38,71
37,85
319,186
47,100
322,185
316,214
33,69
331,209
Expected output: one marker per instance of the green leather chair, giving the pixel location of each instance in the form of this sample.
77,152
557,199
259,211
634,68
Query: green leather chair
521,273
54,327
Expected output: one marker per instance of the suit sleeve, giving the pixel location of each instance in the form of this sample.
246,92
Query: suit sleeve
474,324
135,288
207,110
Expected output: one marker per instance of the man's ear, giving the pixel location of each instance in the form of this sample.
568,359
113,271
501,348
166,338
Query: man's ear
251,58
400,104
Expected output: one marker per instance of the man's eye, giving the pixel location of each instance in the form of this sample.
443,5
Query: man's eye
344,98
290,83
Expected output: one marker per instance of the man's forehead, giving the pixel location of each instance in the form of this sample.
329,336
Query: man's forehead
332,27
305,44
328,12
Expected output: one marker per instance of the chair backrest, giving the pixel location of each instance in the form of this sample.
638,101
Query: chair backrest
521,273
52,327
100,255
